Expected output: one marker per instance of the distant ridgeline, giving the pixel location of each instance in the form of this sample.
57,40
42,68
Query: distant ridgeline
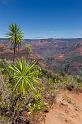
49,40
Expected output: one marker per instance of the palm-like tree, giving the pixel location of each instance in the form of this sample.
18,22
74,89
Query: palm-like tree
15,35
24,76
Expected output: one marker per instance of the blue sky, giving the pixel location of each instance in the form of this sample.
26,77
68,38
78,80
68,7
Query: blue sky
42,18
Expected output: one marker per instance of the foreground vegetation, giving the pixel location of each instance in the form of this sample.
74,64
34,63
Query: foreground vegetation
27,91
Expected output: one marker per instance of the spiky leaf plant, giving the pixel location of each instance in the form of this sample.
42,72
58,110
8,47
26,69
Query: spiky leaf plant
24,76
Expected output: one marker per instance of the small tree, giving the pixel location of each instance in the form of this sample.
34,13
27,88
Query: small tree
15,36
28,48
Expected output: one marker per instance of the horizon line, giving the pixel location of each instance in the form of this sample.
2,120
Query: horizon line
48,38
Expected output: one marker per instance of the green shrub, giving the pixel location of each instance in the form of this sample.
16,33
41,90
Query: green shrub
23,76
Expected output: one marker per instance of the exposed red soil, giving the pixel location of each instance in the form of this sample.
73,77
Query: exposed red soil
67,110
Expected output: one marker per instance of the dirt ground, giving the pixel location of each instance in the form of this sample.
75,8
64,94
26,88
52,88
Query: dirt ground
67,110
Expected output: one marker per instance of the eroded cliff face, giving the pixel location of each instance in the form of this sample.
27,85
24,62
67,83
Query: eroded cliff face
57,53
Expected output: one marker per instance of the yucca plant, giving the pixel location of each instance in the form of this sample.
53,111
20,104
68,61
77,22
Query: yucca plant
24,76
